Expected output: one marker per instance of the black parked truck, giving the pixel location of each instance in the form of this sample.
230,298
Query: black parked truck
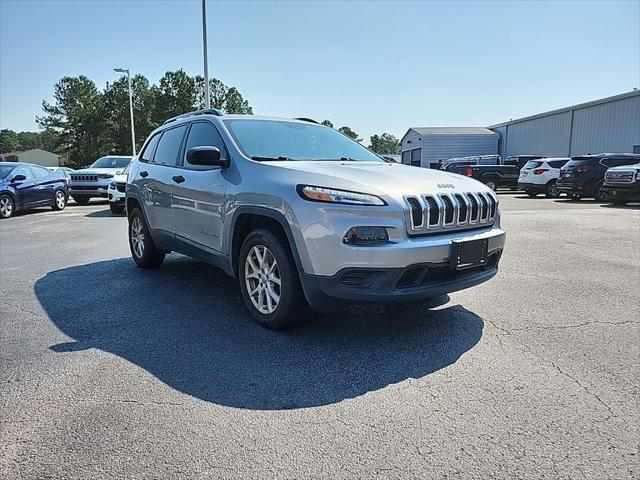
498,176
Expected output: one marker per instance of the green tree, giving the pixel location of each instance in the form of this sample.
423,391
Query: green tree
385,143
349,133
221,96
9,141
77,115
327,123
175,95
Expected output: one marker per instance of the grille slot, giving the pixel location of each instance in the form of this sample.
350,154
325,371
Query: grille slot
492,206
448,209
434,211
417,215
474,207
484,207
462,208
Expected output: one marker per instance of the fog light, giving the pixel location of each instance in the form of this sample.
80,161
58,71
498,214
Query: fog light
366,235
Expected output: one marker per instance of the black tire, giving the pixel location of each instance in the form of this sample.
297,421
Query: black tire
550,190
492,183
59,200
600,195
148,255
117,209
292,305
7,206
574,197
81,199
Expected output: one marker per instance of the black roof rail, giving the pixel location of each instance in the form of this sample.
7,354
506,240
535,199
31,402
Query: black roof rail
204,111
303,119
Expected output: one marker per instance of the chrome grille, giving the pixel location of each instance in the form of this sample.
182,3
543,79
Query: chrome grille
431,213
619,178
84,178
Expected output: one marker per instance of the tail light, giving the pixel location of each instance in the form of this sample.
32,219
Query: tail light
469,172
584,169
540,171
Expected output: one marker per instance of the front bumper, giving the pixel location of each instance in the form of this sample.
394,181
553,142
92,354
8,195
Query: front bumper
626,193
390,285
89,189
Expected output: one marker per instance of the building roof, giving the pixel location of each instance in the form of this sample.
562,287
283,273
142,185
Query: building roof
17,154
452,130
613,98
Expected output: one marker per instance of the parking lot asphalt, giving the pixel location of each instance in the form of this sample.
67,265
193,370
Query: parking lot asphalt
110,371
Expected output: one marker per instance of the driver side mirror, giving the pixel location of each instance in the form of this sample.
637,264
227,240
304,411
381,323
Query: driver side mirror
207,156
18,178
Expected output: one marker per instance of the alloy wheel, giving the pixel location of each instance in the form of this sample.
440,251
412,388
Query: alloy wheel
6,207
262,278
137,237
492,186
60,200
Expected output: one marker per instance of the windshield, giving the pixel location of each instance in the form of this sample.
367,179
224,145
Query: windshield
283,140
531,165
5,169
111,162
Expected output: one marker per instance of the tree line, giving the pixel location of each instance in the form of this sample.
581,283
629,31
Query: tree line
84,123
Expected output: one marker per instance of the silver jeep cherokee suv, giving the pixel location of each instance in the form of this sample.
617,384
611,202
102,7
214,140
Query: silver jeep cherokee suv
304,216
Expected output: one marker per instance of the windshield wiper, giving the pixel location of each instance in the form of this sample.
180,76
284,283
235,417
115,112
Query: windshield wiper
271,159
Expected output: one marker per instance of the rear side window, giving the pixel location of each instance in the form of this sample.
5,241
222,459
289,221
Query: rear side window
147,155
203,134
557,163
616,162
41,172
531,164
169,146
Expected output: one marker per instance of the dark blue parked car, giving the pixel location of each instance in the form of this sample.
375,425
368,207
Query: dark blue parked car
23,185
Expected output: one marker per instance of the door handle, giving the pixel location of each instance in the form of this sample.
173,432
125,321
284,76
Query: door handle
178,178
144,174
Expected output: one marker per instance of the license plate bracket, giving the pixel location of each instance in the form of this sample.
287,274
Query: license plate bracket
467,254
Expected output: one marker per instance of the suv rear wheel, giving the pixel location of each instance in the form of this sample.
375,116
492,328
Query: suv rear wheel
601,195
551,191
143,249
269,281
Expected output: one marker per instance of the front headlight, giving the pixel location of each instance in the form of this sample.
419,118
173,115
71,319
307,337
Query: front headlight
330,195
637,176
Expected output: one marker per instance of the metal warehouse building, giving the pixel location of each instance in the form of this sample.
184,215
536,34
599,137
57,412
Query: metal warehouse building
424,146
610,124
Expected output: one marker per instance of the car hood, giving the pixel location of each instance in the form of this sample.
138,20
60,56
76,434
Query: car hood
390,179
97,171
120,178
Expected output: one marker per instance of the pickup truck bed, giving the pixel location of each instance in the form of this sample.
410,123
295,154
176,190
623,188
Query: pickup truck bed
494,176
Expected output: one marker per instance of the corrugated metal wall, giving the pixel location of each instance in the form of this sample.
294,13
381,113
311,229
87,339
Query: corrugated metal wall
440,146
609,127
606,127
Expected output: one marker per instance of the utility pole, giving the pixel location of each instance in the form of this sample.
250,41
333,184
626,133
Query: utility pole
207,103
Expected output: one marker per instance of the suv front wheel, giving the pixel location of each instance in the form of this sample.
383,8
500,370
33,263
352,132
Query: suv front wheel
269,281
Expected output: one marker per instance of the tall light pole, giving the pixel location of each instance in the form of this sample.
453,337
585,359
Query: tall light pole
133,135
207,103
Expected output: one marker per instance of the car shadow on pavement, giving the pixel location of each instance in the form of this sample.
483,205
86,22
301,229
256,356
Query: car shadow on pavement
103,213
186,324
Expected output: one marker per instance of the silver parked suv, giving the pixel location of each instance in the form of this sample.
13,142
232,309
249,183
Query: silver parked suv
303,215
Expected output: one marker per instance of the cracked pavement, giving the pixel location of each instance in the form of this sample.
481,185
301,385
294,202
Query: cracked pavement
108,371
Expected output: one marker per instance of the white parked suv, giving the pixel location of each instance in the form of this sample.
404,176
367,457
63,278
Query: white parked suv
117,188
540,176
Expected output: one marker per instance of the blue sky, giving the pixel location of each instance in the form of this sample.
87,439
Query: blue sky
375,66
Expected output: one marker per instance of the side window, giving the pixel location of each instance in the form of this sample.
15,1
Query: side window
147,155
40,172
203,134
23,170
558,163
169,146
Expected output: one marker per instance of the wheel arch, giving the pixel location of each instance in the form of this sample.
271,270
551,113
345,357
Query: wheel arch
247,218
